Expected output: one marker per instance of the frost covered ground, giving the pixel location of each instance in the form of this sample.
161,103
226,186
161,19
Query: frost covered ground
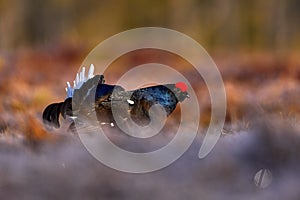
64,169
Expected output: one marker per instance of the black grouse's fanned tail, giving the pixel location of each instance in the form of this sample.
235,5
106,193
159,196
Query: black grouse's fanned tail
52,112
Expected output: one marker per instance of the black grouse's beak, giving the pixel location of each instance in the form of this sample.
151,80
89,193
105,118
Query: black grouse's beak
182,96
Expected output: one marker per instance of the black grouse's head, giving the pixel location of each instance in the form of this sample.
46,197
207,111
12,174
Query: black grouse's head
180,90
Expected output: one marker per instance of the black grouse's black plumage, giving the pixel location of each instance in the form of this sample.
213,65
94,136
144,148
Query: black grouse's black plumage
137,102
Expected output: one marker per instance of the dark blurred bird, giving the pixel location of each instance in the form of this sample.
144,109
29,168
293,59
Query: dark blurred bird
136,103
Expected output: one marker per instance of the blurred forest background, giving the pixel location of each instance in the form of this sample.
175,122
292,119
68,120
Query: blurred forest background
228,25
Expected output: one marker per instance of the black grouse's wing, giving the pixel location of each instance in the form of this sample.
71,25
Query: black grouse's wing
105,95
84,98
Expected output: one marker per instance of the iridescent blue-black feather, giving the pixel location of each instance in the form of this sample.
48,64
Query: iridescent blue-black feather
138,101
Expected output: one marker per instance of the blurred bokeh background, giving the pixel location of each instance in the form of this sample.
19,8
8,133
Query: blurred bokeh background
255,45
227,25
